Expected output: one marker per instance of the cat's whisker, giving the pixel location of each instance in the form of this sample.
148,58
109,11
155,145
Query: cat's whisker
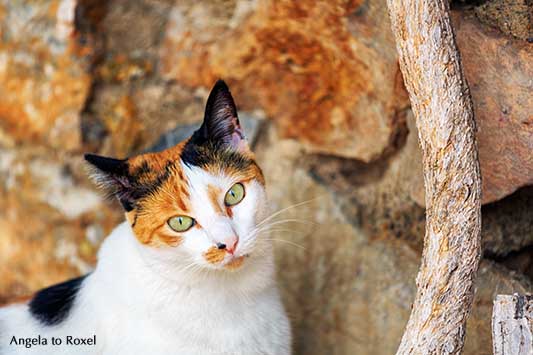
277,213
285,230
294,220
253,240
261,239
286,241
285,221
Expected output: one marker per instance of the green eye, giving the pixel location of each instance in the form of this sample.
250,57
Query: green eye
180,223
234,195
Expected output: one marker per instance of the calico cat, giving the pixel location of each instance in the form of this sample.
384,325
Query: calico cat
186,273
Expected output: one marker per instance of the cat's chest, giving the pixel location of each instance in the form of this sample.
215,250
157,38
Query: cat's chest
220,326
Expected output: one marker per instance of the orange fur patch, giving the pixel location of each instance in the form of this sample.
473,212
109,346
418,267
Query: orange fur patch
18,300
214,192
184,191
165,239
170,198
235,263
214,255
229,211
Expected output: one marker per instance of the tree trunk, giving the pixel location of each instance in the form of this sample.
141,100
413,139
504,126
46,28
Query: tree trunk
440,99
512,325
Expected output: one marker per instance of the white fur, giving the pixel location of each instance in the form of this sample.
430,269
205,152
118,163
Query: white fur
217,227
146,300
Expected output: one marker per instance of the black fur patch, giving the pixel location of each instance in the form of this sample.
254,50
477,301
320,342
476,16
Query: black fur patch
115,167
211,143
52,305
114,175
220,118
144,184
211,154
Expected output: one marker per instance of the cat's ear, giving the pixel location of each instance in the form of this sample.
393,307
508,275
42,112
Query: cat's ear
113,176
221,124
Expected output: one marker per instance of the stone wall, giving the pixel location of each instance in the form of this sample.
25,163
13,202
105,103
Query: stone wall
318,84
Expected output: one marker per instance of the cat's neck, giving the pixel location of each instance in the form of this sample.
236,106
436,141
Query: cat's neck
130,266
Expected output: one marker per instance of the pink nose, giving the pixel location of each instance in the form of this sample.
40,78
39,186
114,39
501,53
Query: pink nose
231,244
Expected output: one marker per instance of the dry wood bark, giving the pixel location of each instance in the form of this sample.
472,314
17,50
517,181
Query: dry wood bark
512,325
440,98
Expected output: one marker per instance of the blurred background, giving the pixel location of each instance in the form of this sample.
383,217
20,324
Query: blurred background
322,99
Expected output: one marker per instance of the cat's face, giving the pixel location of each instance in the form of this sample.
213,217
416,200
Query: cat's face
200,201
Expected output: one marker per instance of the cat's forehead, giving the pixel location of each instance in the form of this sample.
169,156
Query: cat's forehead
203,163
216,160
175,171
153,163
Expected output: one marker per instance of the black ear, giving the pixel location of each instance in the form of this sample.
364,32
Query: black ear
221,125
113,176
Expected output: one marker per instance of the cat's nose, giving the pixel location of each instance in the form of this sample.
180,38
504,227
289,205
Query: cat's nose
231,244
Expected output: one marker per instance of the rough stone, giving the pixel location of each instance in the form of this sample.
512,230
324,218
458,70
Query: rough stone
43,70
130,51
380,198
512,17
131,105
48,228
501,87
508,224
326,72
520,261
377,196
122,121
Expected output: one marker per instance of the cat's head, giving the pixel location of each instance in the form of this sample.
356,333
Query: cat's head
202,200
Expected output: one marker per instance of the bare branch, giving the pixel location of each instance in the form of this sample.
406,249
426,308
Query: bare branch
512,325
441,102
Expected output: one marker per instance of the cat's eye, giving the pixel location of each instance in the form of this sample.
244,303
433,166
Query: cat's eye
180,223
234,195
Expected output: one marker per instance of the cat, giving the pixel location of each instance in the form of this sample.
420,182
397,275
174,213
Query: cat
187,272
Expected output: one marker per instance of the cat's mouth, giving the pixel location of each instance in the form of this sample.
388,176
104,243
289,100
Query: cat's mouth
236,262
222,258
